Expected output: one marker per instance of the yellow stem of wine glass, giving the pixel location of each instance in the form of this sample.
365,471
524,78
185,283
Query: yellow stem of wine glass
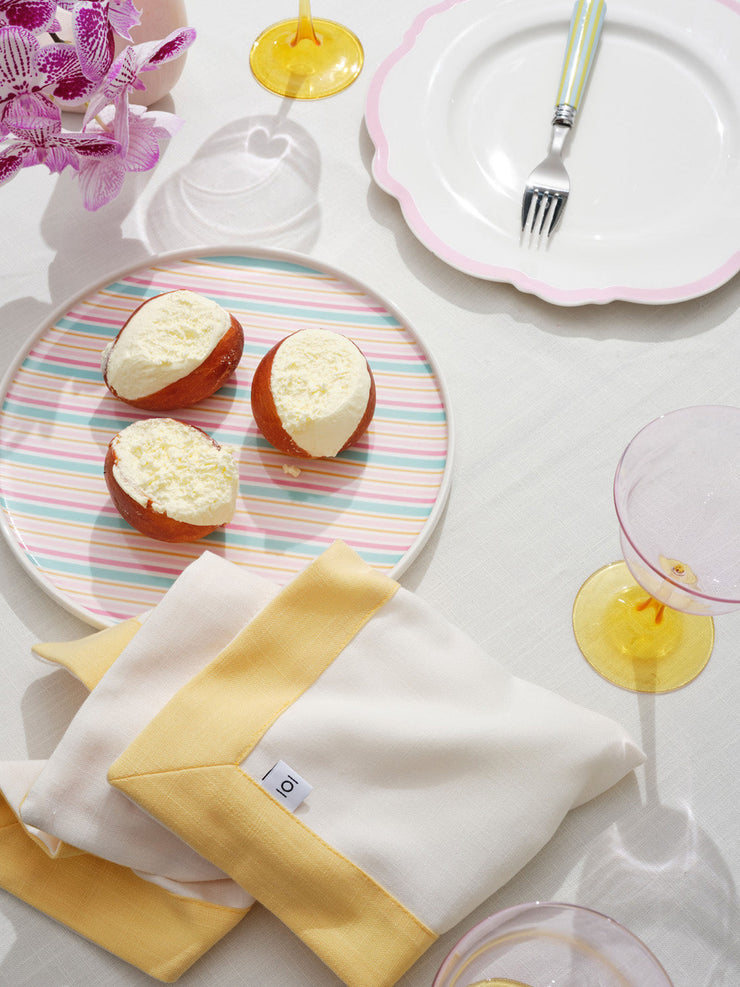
652,602
306,58
305,31
633,639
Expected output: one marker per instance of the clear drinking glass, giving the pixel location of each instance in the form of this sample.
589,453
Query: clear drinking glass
646,623
550,944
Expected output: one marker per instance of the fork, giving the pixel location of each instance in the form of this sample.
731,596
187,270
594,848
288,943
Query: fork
548,186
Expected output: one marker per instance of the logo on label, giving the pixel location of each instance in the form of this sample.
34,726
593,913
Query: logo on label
286,785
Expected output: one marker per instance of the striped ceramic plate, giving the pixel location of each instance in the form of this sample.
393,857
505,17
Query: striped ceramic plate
382,497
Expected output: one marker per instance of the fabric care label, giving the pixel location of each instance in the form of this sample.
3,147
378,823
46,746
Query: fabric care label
286,785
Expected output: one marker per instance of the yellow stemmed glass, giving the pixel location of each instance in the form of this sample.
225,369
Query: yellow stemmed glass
646,623
307,58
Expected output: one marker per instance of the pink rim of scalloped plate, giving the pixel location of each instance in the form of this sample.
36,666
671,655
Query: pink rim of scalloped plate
493,272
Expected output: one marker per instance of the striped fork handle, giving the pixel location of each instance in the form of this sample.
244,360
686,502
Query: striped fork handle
583,38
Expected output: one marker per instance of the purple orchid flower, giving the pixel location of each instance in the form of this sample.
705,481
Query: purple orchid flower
38,80
94,24
122,15
101,179
123,75
35,15
36,72
39,139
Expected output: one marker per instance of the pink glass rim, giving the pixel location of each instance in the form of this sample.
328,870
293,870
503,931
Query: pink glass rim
622,521
499,917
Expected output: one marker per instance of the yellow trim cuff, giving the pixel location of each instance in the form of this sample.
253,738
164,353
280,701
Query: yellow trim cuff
184,770
161,933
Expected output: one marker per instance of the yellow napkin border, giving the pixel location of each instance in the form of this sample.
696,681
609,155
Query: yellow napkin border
157,931
153,929
184,770
89,658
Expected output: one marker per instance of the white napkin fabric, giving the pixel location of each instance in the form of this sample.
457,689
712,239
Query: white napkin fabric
433,768
434,774
71,800
430,773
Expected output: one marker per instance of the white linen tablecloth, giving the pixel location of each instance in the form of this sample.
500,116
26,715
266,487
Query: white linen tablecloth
544,400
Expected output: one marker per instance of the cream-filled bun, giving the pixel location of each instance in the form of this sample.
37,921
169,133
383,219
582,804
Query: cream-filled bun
171,481
313,394
174,350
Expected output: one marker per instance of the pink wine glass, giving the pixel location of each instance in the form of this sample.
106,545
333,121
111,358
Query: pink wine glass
646,623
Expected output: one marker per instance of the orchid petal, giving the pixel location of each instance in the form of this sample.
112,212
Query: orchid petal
100,182
11,162
143,154
34,15
74,88
29,155
33,116
65,79
143,147
94,145
75,149
151,54
112,117
27,67
98,101
93,39
56,61
57,157
123,72
165,125
18,70
122,16
173,46
121,124
141,134
34,156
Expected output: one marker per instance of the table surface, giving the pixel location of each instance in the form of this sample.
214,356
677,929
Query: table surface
544,400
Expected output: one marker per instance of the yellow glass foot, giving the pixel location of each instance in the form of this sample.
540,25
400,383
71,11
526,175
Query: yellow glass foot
634,641
306,69
498,982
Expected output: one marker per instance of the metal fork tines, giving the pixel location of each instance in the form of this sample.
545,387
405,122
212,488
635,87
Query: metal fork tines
548,187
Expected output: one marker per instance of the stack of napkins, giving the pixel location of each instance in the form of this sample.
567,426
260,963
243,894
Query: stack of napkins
335,750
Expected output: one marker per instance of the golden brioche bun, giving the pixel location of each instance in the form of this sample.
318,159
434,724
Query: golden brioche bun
195,385
268,420
146,513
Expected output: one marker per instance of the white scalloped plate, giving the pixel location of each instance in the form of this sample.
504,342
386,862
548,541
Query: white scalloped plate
460,114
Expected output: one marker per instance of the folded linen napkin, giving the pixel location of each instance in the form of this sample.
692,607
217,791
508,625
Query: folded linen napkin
80,851
433,775
71,800
145,924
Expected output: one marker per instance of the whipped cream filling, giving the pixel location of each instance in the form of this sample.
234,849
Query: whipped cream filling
320,386
178,470
167,338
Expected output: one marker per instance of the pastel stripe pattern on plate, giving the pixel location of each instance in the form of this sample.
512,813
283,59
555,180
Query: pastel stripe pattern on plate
382,496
